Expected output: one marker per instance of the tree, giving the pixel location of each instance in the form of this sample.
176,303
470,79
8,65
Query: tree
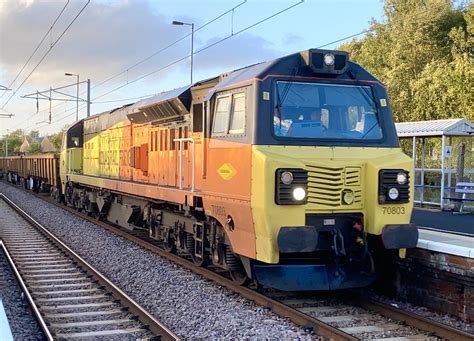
34,148
56,140
423,54
14,141
34,134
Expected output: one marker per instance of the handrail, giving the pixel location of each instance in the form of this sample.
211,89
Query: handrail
181,142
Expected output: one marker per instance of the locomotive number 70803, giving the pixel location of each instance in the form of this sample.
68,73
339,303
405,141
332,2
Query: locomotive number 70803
393,210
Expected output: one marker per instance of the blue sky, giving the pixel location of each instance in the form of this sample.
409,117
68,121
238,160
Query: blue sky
111,36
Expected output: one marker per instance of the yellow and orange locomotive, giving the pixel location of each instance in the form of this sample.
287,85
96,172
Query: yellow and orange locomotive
287,172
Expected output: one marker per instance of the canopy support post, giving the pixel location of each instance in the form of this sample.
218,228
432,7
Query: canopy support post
443,146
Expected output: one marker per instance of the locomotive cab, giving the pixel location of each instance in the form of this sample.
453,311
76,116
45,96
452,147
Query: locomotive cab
329,184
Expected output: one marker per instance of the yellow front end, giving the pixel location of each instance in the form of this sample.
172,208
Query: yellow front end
70,163
337,169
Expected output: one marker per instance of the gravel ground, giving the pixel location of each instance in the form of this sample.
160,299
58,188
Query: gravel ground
188,304
22,322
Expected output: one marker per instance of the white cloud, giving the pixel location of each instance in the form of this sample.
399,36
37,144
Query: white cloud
106,39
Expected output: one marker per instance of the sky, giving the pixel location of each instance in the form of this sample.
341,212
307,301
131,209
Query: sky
110,37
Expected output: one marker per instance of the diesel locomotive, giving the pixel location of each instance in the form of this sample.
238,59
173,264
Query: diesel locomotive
287,172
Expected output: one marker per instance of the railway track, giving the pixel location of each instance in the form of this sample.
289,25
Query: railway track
352,317
70,299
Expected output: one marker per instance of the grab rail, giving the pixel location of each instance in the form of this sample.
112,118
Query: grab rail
181,143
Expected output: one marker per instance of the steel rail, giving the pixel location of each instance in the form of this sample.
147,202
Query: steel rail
34,308
299,318
414,320
153,325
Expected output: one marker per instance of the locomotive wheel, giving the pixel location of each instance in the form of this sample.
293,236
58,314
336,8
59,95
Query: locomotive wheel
169,245
190,242
239,276
99,216
202,262
236,269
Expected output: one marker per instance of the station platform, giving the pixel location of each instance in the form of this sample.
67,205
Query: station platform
461,245
443,220
5,331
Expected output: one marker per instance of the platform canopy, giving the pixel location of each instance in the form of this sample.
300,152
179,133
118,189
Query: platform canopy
450,127
445,130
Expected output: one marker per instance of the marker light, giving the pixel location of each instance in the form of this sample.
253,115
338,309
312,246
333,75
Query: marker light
286,178
329,59
393,193
348,197
299,194
402,178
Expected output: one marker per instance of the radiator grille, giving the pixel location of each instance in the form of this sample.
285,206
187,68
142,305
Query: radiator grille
326,184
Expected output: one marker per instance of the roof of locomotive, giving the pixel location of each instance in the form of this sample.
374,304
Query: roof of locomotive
224,80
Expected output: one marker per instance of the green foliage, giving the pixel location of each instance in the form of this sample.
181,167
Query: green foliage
16,137
34,148
423,53
56,140
33,134
13,140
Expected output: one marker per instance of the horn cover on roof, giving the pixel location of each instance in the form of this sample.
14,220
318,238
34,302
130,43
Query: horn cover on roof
326,61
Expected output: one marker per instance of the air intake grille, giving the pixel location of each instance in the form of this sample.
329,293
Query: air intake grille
326,185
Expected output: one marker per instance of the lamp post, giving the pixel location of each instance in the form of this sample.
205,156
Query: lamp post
77,95
180,23
6,144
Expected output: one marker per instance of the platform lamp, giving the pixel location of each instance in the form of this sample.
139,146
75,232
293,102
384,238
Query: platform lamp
180,23
77,95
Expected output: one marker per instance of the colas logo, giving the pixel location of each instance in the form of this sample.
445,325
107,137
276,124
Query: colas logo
226,171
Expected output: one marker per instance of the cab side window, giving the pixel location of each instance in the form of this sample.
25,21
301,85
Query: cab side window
229,117
238,114
221,117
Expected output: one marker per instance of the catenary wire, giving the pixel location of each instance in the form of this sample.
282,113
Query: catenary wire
37,47
46,54
153,54
321,46
168,46
200,50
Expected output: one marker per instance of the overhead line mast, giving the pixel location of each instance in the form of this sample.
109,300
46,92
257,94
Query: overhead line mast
46,54
38,46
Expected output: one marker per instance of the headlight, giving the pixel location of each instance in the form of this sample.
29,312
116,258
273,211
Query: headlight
393,193
291,186
394,186
286,178
299,194
329,59
402,178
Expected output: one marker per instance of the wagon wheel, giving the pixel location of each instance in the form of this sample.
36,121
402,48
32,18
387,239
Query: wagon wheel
77,205
59,198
